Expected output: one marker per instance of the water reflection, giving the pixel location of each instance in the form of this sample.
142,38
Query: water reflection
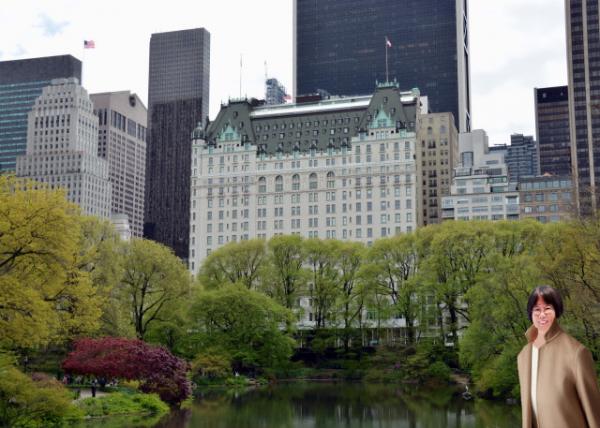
341,405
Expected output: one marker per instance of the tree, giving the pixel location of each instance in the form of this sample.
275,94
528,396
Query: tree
285,273
110,357
497,307
457,260
395,265
44,295
352,290
321,260
243,324
154,283
236,262
569,258
101,256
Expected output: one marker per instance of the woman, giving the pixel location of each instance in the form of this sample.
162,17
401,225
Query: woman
559,386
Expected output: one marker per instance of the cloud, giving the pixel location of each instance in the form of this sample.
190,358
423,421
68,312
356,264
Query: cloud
49,26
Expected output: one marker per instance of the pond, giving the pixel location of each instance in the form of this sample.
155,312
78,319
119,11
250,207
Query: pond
325,405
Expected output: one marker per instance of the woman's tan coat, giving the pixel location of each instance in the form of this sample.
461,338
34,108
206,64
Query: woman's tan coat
567,385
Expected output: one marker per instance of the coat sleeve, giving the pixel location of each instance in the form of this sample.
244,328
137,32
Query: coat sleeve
587,387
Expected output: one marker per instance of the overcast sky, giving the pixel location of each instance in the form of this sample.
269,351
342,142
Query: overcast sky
516,45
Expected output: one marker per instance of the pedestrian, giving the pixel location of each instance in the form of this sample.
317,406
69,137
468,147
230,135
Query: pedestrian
94,386
559,385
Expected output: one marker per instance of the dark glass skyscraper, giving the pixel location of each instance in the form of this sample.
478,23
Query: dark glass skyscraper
583,56
21,82
552,129
340,47
177,100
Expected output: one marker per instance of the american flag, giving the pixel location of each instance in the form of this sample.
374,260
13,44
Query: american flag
89,44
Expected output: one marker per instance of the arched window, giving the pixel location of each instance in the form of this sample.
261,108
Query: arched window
262,185
296,182
312,181
330,180
279,183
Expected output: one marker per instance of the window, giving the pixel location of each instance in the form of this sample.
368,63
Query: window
295,182
279,183
312,181
262,185
330,180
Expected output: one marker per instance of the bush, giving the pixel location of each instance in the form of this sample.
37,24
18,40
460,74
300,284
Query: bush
119,403
25,402
212,364
439,371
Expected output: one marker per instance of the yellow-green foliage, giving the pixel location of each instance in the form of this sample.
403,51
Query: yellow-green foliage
212,363
28,403
44,295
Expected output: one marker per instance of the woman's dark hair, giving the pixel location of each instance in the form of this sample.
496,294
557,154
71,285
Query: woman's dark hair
550,295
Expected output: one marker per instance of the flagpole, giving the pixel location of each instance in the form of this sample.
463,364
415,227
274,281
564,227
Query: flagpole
386,63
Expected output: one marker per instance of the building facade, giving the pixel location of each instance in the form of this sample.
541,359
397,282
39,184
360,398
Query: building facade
546,198
552,129
340,47
438,139
275,92
21,83
480,188
342,168
62,147
122,142
178,98
522,158
583,56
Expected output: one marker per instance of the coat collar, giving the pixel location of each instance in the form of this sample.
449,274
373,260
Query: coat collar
553,332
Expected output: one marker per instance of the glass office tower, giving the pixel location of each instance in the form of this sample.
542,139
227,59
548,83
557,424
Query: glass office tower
552,129
21,82
583,57
340,47
177,101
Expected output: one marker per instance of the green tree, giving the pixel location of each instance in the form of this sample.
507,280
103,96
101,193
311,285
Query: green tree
44,295
285,275
101,256
458,258
352,296
569,258
243,324
497,305
394,265
155,284
321,259
236,262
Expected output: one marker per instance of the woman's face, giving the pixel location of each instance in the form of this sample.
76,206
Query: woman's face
543,315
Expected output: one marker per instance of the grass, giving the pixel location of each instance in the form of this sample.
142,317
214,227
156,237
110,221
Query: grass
120,403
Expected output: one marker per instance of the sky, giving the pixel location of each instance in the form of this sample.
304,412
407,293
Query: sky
515,46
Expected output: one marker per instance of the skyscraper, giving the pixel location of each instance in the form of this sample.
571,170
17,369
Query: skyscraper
122,142
552,129
177,101
437,149
62,147
21,82
340,47
583,56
